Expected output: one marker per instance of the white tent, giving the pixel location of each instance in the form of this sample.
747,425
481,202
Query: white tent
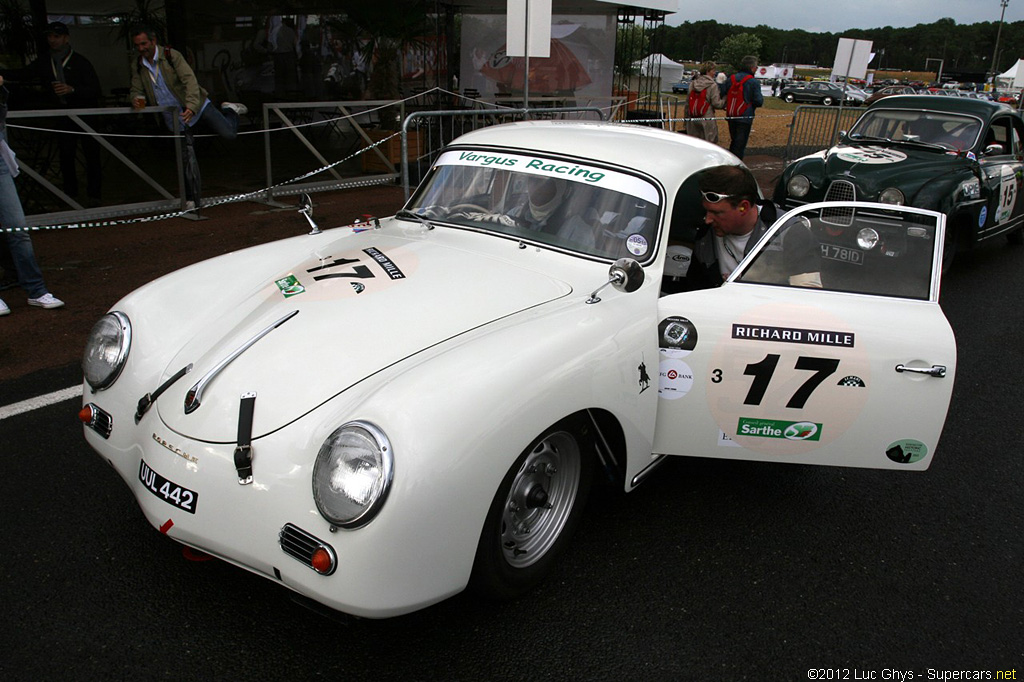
1012,77
671,72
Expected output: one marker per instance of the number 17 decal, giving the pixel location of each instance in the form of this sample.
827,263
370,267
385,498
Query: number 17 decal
764,370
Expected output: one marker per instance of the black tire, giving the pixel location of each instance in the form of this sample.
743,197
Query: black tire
827,101
788,98
950,246
1016,237
535,511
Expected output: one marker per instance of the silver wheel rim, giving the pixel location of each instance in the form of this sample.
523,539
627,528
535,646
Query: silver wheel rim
541,500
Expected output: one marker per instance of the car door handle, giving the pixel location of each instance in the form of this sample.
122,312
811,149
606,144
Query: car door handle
934,370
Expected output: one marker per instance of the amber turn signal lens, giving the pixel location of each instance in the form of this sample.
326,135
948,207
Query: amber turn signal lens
321,560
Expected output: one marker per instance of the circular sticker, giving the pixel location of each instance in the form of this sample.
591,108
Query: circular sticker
787,379
636,244
982,216
870,155
906,451
677,335
675,380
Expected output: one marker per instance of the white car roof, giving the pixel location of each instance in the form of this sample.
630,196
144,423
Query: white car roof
668,156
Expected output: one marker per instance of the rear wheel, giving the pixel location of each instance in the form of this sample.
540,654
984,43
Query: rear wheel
535,511
1016,237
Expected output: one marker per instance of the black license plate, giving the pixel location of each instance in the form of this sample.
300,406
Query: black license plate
167,490
842,254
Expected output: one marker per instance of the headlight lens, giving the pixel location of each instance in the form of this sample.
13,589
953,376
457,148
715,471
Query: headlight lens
352,474
798,186
891,195
107,350
867,239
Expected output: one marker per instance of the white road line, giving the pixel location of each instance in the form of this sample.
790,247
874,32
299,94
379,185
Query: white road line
40,401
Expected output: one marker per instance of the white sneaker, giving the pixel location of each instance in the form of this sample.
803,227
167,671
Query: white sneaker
47,301
236,107
4,310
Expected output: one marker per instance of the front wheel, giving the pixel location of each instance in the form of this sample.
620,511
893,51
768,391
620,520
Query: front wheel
534,513
789,98
828,101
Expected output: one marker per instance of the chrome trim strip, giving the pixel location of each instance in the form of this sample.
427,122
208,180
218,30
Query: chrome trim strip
642,476
194,396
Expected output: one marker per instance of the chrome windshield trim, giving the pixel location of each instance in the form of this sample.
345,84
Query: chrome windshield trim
194,396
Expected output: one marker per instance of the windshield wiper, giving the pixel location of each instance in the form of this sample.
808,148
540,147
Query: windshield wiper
858,137
418,217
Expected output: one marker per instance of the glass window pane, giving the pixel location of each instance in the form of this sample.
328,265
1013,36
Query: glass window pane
850,249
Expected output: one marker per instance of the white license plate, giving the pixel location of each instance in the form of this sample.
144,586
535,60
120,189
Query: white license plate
167,490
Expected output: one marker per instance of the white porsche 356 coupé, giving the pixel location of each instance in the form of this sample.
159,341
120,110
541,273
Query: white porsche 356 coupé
378,419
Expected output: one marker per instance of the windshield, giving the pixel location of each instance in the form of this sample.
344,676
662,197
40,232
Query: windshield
583,208
952,131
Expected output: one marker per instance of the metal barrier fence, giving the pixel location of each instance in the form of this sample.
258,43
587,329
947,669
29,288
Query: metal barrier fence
332,130
134,167
817,127
300,147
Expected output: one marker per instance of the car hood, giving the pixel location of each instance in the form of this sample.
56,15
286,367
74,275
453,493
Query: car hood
878,167
330,320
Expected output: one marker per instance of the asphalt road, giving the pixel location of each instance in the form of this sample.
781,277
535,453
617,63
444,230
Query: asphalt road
710,571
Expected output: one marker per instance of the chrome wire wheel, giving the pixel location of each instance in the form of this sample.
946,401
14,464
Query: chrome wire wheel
541,499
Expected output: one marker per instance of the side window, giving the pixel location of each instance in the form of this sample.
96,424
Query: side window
1016,137
999,133
849,249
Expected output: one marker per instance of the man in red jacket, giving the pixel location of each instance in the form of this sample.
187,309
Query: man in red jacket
742,94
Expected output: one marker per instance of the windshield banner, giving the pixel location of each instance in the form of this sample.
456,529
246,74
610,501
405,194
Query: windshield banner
566,170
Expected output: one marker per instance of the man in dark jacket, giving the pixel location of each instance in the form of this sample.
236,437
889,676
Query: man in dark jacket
742,94
67,80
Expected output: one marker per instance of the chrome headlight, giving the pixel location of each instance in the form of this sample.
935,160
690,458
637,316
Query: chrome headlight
867,239
798,186
107,350
891,195
352,474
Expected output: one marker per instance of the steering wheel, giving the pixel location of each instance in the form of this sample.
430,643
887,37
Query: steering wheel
466,208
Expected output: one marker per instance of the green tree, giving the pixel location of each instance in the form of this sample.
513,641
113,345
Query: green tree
734,48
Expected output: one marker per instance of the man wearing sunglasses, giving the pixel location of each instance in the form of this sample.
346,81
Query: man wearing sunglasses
733,216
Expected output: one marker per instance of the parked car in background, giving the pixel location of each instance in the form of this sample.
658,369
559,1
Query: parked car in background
818,92
889,91
956,155
681,87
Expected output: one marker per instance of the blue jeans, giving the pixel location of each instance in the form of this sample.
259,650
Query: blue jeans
739,133
30,277
223,124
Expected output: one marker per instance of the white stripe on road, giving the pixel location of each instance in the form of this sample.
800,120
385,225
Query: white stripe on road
40,401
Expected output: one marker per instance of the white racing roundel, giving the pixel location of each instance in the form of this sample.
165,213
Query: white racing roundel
869,155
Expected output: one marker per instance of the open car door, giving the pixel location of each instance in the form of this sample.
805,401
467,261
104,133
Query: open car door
856,372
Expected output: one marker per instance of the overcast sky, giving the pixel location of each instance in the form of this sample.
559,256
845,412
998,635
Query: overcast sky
834,17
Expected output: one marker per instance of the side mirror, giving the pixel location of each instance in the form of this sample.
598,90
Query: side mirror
306,209
994,149
625,275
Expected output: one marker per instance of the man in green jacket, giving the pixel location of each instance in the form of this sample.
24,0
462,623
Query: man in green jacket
162,77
